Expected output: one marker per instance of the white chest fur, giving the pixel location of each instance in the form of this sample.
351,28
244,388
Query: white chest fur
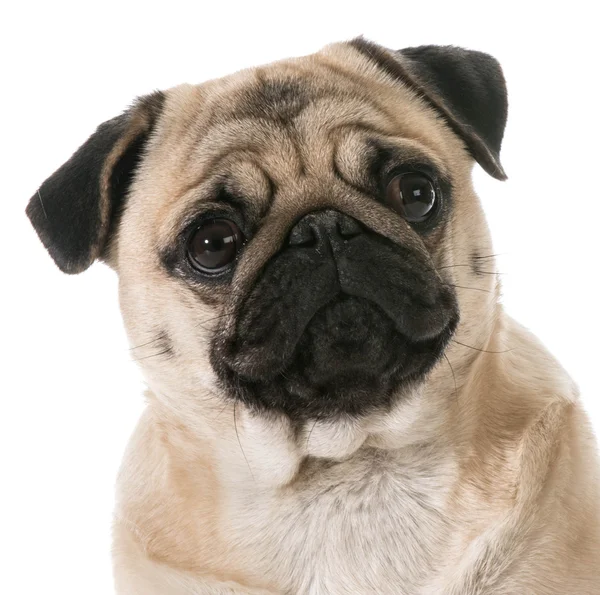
374,523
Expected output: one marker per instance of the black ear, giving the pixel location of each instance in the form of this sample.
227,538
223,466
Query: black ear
75,209
466,87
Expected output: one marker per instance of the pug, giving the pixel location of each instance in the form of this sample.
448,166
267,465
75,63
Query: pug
337,402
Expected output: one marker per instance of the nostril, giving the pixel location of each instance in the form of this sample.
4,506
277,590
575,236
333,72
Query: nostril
302,234
324,227
347,227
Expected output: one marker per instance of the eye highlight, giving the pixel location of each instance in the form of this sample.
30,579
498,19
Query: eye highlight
214,245
412,195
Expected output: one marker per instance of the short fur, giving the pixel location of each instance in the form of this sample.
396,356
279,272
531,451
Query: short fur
478,477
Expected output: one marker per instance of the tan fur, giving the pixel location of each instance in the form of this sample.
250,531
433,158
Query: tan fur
485,480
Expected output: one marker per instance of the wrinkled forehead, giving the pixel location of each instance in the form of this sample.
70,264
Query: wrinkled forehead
284,127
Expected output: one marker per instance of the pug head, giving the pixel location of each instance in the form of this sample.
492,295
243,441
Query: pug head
298,238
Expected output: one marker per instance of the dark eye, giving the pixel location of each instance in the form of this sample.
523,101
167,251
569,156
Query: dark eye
412,195
214,245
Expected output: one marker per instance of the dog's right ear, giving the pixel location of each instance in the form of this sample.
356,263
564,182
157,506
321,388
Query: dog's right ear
75,209
465,87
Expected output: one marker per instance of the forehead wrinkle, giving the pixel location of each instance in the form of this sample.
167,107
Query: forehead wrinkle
170,221
341,95
377,91
229,178
222,170
358,81
258,202
402,144
327,105
208,168
313,133
320,95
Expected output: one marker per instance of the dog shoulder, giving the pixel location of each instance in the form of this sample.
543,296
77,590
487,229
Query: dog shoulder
164,481
137,574
554,521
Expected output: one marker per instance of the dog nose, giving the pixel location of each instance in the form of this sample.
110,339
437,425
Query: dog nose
319,227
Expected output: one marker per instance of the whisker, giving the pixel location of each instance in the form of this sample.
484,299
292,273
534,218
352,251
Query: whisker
215,317
489,256
164,352
473,288
310,434
453,375
220,412
478,349
240,442
148,343
452,266
203,322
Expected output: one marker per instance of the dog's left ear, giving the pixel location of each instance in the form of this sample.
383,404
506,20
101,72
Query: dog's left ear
465,87
75,210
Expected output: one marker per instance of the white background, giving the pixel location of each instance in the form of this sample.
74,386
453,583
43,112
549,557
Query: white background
70,394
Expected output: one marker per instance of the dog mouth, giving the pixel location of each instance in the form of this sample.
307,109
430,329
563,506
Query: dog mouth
349,338
324,334
351,358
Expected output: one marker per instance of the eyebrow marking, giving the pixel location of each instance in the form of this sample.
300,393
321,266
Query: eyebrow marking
277,99
222,191
376,156
215,161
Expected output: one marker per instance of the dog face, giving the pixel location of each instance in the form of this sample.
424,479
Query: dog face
296,237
